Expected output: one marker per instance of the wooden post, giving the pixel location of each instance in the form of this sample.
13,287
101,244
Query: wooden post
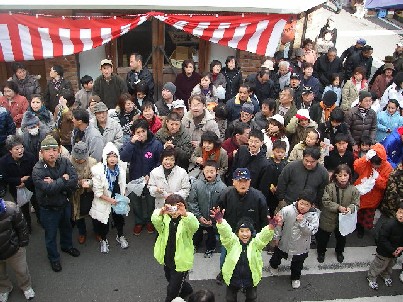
158,43
204,54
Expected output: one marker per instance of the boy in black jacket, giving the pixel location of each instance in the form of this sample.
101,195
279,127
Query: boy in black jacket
389,247
340,154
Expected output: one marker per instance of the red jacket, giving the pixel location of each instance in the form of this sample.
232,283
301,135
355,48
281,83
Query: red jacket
154,125
18,106
363,168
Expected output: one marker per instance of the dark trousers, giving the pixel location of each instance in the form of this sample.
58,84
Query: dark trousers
232,293
322,238
53,219
210,241
297,262
81,226
102,229
143,207
177,284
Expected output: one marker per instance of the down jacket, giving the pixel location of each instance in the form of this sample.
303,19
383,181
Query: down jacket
295,237
13,231
394,148
359,126
28,86
101,209
348,197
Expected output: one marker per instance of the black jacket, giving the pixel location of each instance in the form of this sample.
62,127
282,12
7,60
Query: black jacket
390,238
234,80
134,77
13,231
52,94
252,205
334,159
263,91
55,194
357,60
256,164
327,131
13,171
352,50
323,69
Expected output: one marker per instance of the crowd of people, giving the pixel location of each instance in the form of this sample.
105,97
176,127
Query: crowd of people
264,162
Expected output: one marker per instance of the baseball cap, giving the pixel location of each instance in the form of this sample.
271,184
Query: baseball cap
303,114
361,41
178,104
294,75
105,62
307,89
241,173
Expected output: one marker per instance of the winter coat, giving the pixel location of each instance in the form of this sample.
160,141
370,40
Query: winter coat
334,159
222,161
204,196
181,141
28,86
54,195
283,80
393,193
348,197
390,238
336,90
13,231
359,126
231,126
262,90
261,121
220,80
65,124
296,133
177,182
380,85
133,77
142,156
350,93
184,85
233,246
256,164
111,133
363,168
32,144
82,97
297,153
94,140
233,78
7,125
252,205
17,107
234,107
323,69
269,144
387,122
357,60
394,148
109,91
289,186
45,118
349,52
211,97
163,108
295,237
52,95
326,130
292,111
314,83
208,123
184,249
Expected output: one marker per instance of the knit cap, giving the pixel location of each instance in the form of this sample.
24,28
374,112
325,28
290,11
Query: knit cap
30,119
170,87
245,222
247,107
100,107
364,94
329,98
49,142
80,151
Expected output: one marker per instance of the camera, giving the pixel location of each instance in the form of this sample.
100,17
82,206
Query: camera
172,209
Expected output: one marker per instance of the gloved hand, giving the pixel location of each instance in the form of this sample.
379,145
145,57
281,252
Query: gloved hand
370,154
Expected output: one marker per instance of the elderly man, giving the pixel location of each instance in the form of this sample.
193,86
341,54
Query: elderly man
285,105
326,65
234,105
264,86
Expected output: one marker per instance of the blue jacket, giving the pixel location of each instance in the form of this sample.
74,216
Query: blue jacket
394,148
143,157
7,125
386,121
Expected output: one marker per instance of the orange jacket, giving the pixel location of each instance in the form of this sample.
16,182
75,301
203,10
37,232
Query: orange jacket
363,168
18,106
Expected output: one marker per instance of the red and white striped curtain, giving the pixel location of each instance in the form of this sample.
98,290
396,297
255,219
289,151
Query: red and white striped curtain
24,37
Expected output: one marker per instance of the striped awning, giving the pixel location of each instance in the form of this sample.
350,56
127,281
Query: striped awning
24,37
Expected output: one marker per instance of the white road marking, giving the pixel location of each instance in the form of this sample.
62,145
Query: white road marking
368,299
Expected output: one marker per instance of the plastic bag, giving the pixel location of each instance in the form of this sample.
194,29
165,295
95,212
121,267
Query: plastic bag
136,186
347,223
122,207
23,196
220,92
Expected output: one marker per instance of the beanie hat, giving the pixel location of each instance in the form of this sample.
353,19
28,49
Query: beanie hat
247,107
49,142
80,151
364,94
303,114
100,107
30,119
329,98
245,222
170,87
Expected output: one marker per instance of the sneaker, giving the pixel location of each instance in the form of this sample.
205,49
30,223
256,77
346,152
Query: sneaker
295,284
219,279
321,257
273,271
388,281
29,294
104,246
209,253
137,229
401,276
4,297
122,241
340,257
372,284
150,228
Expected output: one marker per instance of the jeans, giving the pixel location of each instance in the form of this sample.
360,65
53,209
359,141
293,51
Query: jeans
297,262
53,219
143,207
322,238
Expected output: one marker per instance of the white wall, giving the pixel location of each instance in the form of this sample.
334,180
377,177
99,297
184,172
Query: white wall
89,61
221,53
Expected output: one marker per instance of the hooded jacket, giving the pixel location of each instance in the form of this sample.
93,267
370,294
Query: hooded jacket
387,121
364,169
101,209
394,148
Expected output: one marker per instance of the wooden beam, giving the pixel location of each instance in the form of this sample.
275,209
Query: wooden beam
158,43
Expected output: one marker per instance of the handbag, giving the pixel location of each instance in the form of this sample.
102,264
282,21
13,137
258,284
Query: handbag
86,202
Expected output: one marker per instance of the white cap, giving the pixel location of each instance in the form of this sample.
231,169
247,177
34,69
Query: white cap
104,62
303,114
278,118
178,104
268,64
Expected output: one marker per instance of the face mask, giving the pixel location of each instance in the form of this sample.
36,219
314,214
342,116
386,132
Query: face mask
33,131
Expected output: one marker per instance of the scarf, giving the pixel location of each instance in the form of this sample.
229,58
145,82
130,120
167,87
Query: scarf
111,176
326,110
2,206
363,111
363,82
42,114
208,154
57,83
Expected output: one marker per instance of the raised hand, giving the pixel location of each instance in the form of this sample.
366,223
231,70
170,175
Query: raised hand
217,214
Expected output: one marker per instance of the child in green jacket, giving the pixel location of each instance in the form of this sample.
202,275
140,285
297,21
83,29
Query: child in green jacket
174,246
242,268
